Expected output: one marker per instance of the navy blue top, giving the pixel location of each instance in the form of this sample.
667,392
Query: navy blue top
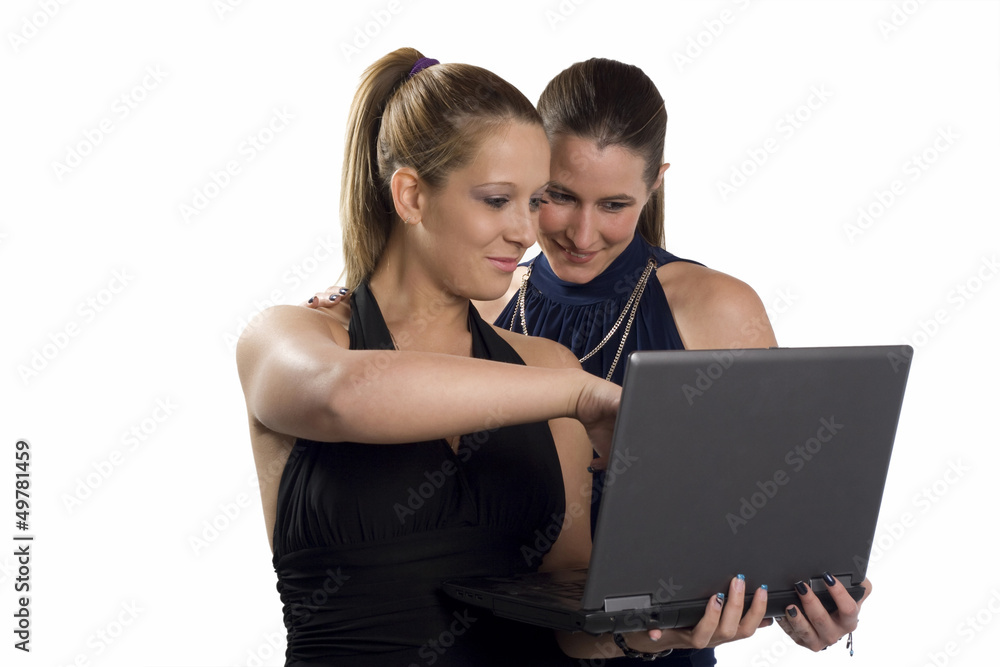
365,534
580,315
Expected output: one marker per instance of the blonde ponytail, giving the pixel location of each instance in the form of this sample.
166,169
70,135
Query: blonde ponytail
432,122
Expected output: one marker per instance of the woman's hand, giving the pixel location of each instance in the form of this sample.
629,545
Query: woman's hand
721,623
724,621
335,300
817,628
596,408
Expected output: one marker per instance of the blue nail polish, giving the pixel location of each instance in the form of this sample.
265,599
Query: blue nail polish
311,299
343,290
763,586
333,297
590,469
792,611
801,588
721,596
828,579
741,577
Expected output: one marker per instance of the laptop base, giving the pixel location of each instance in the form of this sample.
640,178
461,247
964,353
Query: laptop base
541,603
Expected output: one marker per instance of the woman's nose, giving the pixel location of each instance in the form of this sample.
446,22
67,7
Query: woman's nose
582,228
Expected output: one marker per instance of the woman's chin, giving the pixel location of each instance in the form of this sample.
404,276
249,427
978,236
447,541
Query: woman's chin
576,272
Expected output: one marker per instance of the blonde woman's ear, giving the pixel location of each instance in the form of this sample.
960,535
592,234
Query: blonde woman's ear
405,188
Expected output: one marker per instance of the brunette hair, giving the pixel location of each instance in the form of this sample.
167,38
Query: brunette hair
432,122
612,104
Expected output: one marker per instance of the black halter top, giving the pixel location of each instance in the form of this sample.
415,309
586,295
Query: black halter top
365,534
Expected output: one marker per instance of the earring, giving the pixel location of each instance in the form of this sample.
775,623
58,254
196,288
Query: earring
407,221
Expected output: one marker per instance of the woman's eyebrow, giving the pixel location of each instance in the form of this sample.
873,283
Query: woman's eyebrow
620,197
506,184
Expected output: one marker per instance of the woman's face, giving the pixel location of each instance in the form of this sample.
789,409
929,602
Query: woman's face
476,227
594,200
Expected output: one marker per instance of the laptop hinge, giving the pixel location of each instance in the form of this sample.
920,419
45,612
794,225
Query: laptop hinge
627,602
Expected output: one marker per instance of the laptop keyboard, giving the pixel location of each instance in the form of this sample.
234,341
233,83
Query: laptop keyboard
572,589
566,585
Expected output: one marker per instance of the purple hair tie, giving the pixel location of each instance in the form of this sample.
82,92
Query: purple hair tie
422,64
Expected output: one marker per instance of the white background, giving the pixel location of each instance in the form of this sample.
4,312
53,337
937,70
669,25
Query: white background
125,561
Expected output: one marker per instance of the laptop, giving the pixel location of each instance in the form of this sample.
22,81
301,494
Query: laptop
765,462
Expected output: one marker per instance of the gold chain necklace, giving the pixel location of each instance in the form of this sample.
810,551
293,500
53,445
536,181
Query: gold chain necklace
630,307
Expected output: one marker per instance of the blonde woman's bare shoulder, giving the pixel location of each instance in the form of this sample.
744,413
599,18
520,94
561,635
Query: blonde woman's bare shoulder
537,351
283,322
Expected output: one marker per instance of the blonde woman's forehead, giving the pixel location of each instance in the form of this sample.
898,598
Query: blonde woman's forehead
517,156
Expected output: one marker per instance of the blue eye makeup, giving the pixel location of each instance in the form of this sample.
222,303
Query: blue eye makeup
496,202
